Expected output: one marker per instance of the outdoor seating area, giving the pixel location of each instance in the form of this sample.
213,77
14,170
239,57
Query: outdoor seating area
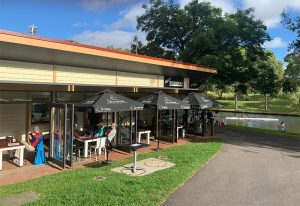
30,171
152,102
105,130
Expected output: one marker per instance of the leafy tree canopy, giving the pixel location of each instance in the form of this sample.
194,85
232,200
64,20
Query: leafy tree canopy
200,33
117,48
270,75
292,74
294,26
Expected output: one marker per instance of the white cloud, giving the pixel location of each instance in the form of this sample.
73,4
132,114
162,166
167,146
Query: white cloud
79,24
129,18
101,4
115,33
227,6
117,38
269,11
276,43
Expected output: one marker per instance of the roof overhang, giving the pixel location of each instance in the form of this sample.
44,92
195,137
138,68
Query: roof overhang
28,48
25,87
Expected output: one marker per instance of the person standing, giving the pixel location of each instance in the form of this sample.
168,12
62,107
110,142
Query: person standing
217,117
282,126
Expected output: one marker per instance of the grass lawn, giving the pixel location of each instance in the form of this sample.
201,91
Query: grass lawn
77,187
266,131
280,104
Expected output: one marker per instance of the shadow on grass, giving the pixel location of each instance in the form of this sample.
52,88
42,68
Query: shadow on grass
154,153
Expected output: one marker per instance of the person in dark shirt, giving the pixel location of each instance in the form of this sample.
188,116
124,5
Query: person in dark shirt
209,115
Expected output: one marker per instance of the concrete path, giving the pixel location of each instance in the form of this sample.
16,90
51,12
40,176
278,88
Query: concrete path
252,169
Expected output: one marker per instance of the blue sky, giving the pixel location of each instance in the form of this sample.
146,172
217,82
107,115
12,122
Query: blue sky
112,22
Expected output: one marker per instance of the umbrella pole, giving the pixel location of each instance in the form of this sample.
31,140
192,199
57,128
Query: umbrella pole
203,123
173,126
176,124
106,119
130,128
157,113
107,152
135,124
194,123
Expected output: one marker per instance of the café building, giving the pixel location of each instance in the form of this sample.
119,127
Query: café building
40,77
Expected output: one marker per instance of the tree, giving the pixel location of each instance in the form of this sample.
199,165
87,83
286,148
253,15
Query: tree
270,76
117,48
222,88
151,49
200,33
295,99
294,26
292,74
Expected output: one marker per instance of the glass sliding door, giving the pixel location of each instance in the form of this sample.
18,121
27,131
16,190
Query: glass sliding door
69,124
124,135
61,134
166,124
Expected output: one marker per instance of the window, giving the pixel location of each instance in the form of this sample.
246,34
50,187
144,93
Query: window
40,112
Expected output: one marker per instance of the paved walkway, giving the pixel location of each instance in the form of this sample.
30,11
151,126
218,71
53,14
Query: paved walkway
252,169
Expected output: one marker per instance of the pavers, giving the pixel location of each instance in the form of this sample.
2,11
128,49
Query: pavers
19,199
147,166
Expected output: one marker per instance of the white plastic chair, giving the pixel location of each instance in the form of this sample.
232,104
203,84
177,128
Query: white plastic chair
99,147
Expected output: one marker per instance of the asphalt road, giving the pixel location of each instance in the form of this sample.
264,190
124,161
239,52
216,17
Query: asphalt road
252,169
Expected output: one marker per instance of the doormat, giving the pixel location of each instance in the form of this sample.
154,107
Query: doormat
19,199
145,167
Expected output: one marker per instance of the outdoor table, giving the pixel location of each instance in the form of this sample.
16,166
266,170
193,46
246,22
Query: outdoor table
6,146
134,148
147,132
177,131
86,140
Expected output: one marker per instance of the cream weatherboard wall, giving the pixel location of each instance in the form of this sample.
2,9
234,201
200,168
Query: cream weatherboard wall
77,75
84,76
13,120
147,80
15,71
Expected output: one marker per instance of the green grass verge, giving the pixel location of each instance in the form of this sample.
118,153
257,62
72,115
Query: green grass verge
266,131
280,104
77,187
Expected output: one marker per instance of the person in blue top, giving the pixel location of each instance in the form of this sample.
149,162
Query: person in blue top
99,132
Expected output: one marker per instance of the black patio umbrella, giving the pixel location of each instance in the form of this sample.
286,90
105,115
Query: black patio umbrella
162,101
108,101
200,102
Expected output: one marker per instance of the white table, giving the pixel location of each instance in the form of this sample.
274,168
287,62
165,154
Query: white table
147,132
5,147
177,133
86,141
